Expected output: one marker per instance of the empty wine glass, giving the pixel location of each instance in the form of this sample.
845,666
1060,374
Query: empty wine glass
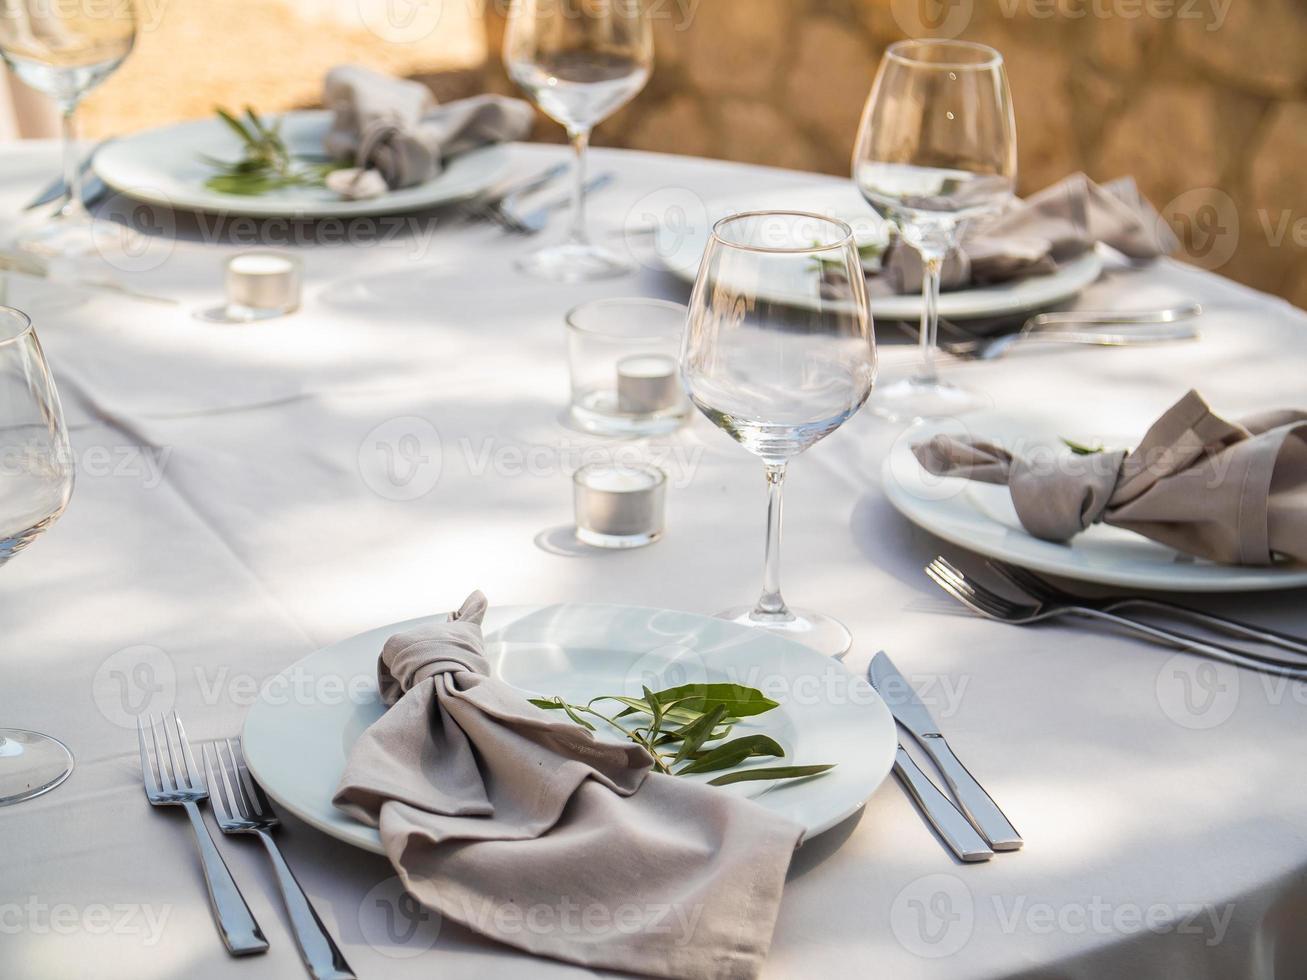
580,63
937,148
64,49
37,479
779,353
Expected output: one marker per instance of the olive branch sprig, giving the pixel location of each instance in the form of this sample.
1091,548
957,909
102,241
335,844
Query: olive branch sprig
676,727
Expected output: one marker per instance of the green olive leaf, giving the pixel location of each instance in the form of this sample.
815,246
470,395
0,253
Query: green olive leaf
731,754
776,772
739,701
698,733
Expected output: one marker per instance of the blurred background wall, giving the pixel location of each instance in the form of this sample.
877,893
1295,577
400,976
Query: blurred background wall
1204,101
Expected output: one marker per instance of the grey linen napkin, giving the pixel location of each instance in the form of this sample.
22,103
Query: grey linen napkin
394,126
531,831
1033,237
1232,492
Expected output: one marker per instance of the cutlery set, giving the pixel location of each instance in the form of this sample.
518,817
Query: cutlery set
973,828
172,778
1043,601
510,209
1087,328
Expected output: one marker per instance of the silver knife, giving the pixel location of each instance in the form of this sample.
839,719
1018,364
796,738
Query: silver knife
947,819
58,187
916,718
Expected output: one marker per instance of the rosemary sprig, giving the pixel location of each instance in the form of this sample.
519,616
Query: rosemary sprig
675,727
266,164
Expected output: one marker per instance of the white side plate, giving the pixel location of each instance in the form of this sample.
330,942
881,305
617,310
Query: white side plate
981,517
298,735
165,166
681,247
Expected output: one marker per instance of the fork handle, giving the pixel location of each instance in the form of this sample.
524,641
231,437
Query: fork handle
1232,626
319,951
240,933
1262,665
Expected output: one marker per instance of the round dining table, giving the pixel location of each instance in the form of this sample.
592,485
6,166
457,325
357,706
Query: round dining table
248,493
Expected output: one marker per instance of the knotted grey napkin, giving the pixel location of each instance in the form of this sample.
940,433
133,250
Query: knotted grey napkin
531,831
1231,492
1033,237
394,126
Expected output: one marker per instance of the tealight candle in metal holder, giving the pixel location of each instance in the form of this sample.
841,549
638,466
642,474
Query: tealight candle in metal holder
260,286
620,505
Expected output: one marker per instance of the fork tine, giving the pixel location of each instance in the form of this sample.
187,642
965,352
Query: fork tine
253,792
192,770
147,765
162,754
989,603
1026,581
217,799
962,597
233,790
175,758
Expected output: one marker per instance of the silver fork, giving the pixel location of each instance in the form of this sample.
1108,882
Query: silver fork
179,783
1043,590
241,808
1152,327
991,605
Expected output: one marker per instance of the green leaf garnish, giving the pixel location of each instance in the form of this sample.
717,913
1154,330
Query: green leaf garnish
1082,450
778,772
689,724
266,164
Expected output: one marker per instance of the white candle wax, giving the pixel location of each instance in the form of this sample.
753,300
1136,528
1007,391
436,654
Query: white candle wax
619,506
647,384
263,282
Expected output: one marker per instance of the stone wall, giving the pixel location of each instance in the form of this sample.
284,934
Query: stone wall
1203,101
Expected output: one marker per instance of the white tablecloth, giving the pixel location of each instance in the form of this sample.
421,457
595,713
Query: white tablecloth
224,526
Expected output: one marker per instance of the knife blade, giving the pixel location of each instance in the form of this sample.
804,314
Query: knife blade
948,821
58,187
912,714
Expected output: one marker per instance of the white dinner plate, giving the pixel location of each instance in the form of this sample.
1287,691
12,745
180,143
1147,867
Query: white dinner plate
298,734
981,517
681,243
165,166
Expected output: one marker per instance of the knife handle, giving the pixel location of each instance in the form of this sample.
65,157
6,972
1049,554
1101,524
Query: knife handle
978,804
947,820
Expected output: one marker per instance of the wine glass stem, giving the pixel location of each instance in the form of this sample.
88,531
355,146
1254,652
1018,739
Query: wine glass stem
930,284
581,144
771,605
72,206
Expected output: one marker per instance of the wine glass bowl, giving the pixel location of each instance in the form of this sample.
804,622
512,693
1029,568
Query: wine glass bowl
779,353
579,63
64,50
936,148
36,483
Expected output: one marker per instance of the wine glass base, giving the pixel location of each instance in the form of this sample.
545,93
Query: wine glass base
30,764
69,237
915,399
827,636
576,263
